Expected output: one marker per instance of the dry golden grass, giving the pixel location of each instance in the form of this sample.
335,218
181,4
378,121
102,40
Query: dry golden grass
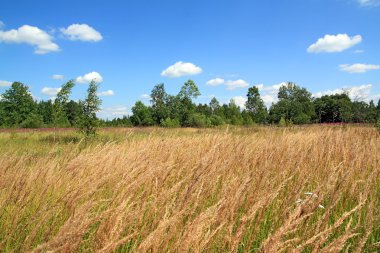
312,189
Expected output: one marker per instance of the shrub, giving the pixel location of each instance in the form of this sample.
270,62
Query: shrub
378,124
33,120
170,123
216,120
282,122
199,120
248,121
302,119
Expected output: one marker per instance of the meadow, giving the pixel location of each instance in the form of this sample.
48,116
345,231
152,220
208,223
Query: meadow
254,189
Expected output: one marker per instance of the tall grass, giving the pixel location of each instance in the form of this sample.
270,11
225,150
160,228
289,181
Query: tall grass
313,189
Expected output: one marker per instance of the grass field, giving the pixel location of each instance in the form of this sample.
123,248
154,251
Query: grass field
301,189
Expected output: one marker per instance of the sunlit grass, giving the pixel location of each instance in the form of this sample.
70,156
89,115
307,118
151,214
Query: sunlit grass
191,190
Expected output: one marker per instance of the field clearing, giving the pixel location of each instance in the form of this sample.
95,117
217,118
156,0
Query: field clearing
301,189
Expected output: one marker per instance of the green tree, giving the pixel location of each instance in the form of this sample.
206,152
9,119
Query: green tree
372,113
216,120
45,109
255,105
378,124
90,106
170,123
174,107
142,115
247,118
204,109
189,91
294,104
214,105
74,112
232,113
2,113
333,108
33,120
17,104
159,99
360,110
199,120
60,103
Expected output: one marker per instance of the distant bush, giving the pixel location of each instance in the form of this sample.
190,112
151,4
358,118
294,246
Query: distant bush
302,119
378,124
170,123
282,122
199,120
216,120
32,121
248,121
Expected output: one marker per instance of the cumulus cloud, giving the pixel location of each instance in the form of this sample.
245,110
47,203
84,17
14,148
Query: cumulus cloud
269,99
5,83
269,93
272,89
87,78
50,91
82,32
334,43
236,84
145,96
215,82
369,3
1,24
106,93
357,93
240,101
180,68
358,68
113,112
41,40
57,77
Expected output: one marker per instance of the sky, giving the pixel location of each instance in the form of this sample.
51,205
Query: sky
225,46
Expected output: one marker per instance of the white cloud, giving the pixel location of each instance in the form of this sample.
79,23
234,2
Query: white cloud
215,82
369,3
5,83
269,93
358,68
145,96
181,69
334,43
359,51
50,91
273,89
106,93
259,86
240,101
232,85
359,93
1,24
82,32
269,99
41,40
87,78
57,77
113,112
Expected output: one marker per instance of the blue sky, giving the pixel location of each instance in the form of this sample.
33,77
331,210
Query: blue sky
225,46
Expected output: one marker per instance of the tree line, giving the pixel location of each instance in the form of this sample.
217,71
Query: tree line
19,109
295,105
